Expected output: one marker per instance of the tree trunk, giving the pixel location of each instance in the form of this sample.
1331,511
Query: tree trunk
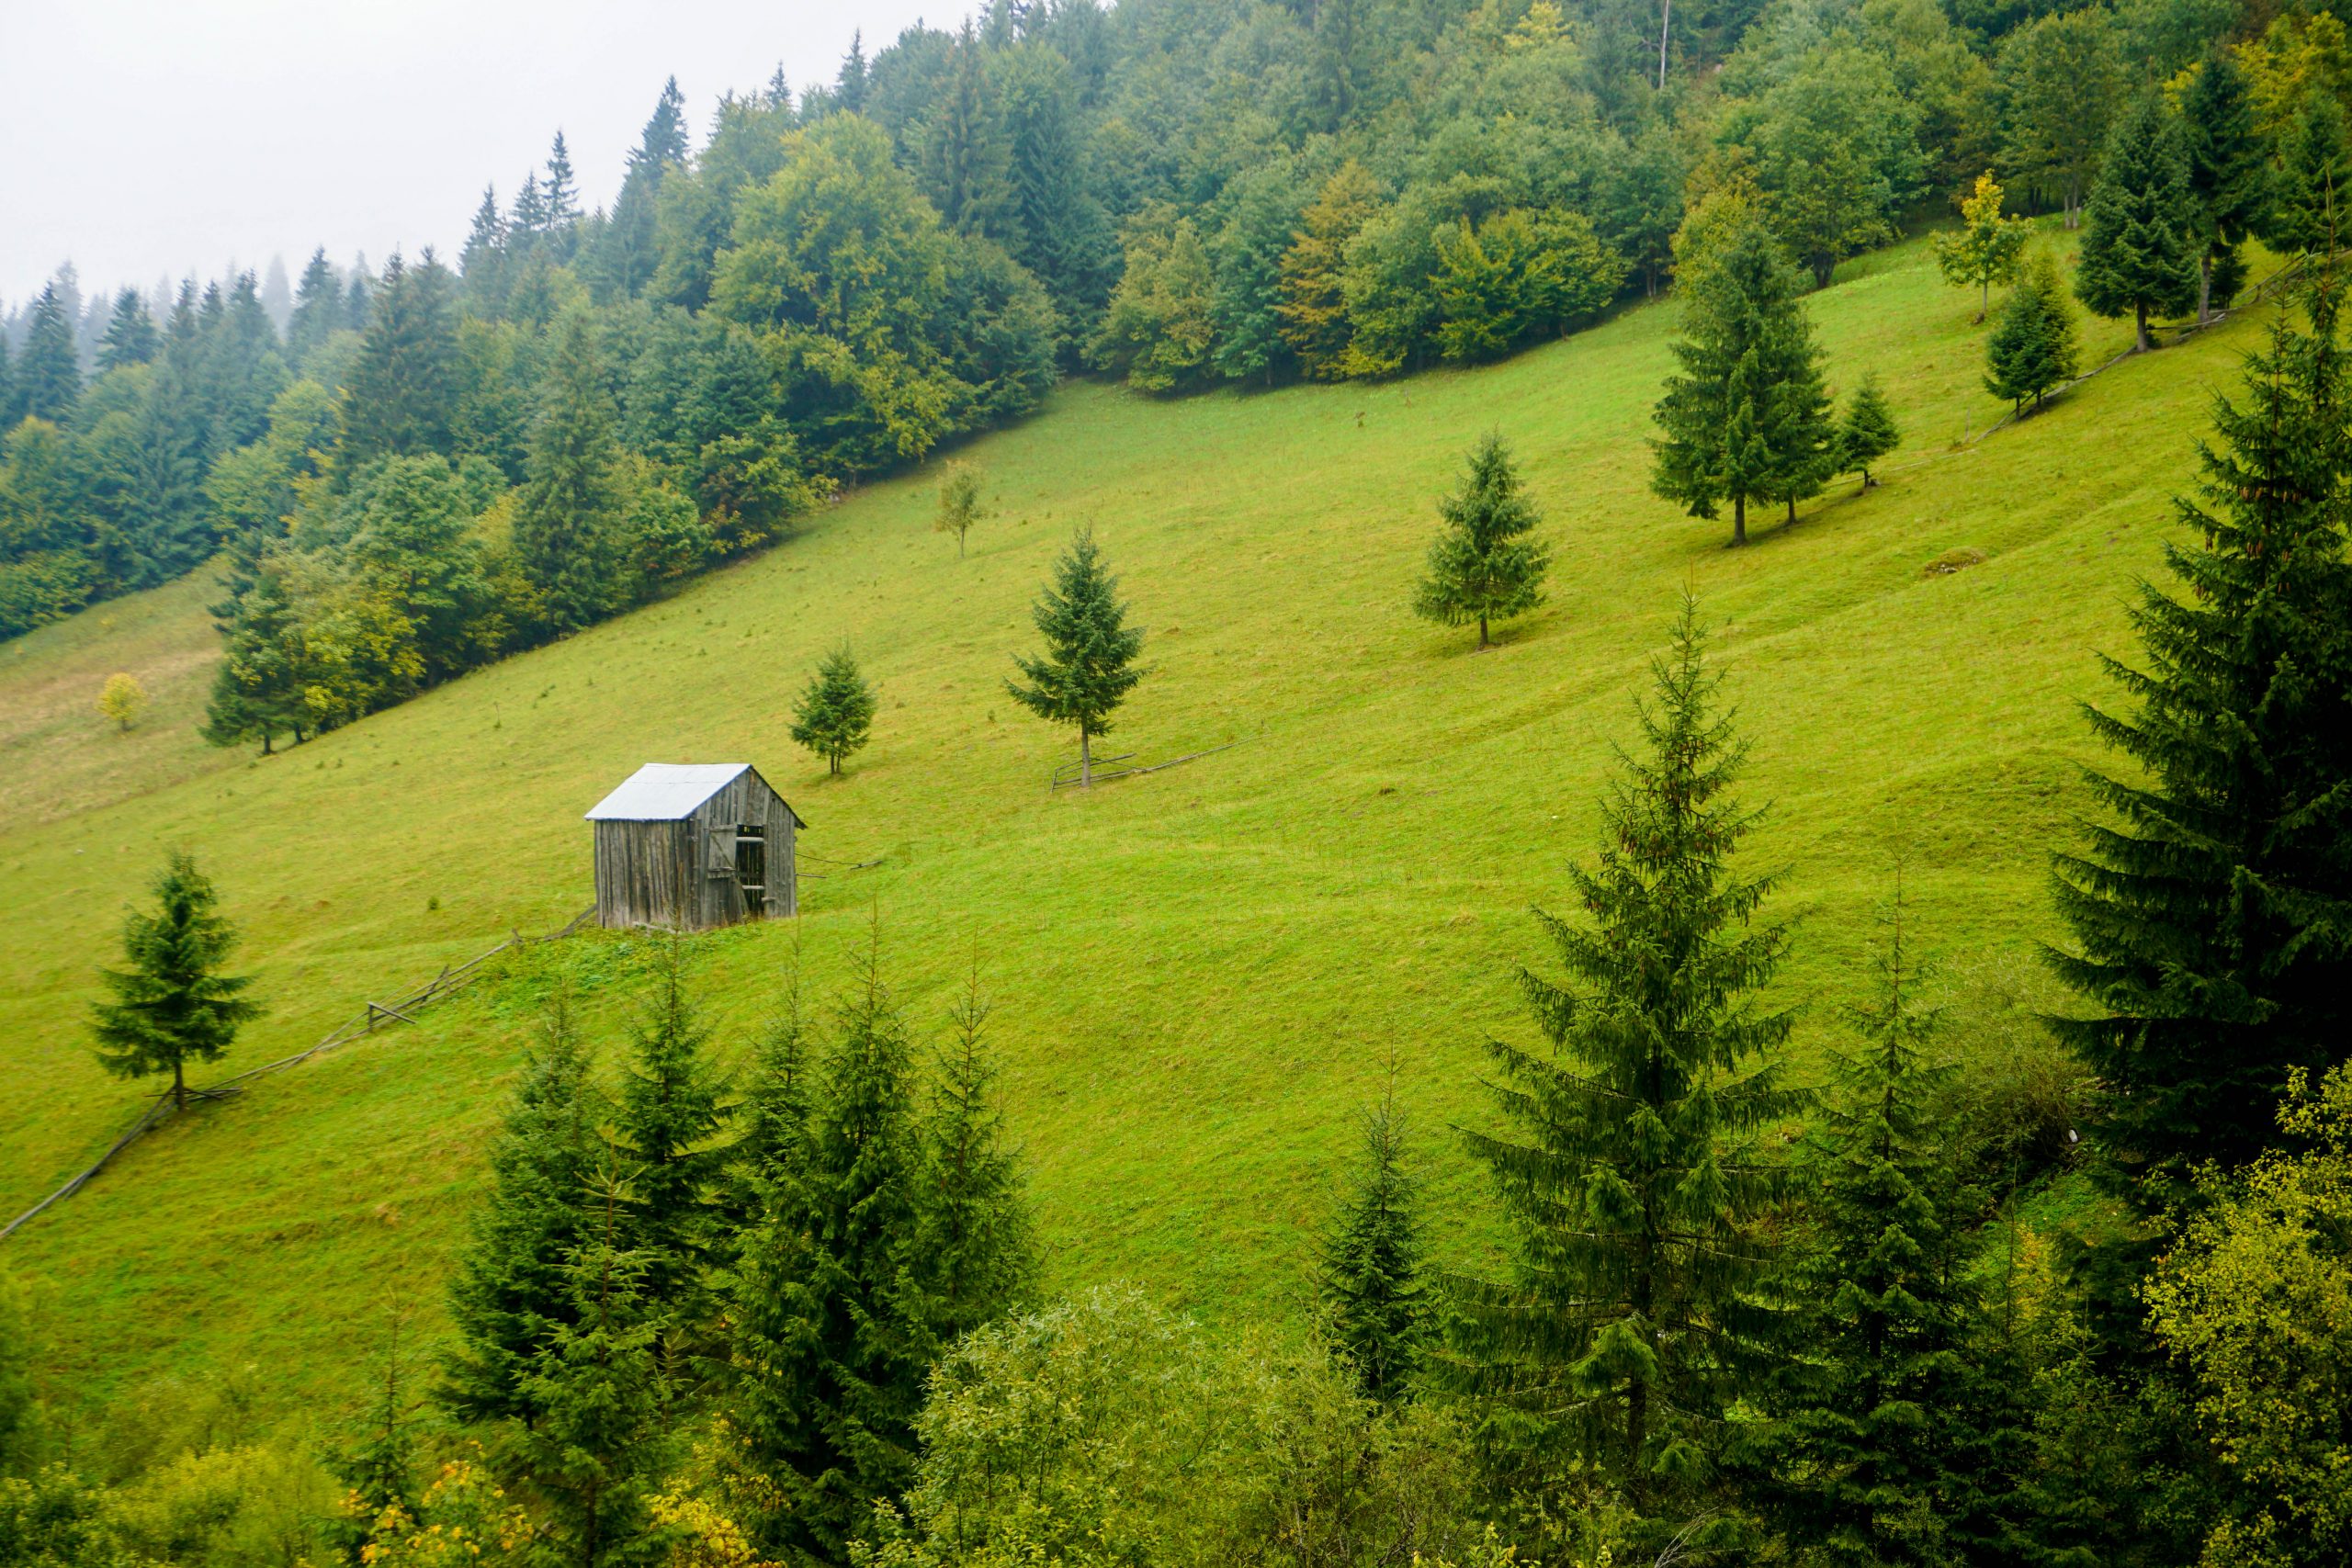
179,1086
1739,519
265,742
1483,640
1665,21
2141,343
2205,288
1085,761
1792,512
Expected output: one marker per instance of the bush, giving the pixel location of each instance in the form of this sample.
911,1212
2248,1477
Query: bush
1102,1430
2019,1094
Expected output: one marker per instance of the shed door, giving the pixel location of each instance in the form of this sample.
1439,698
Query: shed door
751,867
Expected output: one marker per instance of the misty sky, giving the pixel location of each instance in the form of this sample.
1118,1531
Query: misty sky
148,137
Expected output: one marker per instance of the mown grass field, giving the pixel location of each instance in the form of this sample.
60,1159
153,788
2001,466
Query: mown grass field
1200,975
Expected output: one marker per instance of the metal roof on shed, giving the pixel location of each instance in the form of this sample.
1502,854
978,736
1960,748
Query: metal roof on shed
664,792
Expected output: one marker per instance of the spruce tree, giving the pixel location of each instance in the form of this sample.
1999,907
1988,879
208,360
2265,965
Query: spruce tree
11,412
831,1342
629,248
1747,417
318,311
566,522
509,1291
1371,1275
1628,1164
2138,254
378,1465
601,1447
2033,348
835,713
1868,432
966,165
2229,168
2210,911
172,1005
974,1239
1089,665
132,337
1485,566
1987,247
402,397
671,1124
559,200
2310,180
1895,1441
49,368
482,265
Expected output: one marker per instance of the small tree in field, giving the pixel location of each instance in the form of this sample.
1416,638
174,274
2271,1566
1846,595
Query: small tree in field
172,1005
1987,247
2032,349
1484,567
123,699
1089,665
1371,1273
1868,432
959,505
835,713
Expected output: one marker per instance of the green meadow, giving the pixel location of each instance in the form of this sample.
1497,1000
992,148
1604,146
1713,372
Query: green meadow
1200,975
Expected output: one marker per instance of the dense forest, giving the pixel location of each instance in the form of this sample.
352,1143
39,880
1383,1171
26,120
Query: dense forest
417,469
791,1314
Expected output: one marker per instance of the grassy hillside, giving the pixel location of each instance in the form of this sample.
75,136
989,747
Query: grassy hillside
1201,974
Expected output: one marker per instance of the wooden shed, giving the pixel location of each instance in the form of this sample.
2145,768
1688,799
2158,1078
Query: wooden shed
687,846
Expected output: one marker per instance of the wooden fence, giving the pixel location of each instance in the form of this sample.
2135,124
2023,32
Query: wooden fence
369,1018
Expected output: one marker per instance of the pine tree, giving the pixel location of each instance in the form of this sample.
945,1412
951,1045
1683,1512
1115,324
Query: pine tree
11,410
671,1124
1868,432
1987,246
835,713
968,167
2211,912
318,310
559,198
509,1292
2229,168
832,1344
481,265
1895,1439
2312,160
959,503
1372,1272
630,247
601,1447
378,1467
567,523
849,88
1628,1168
1747,417
2139,256
1089,666
403,395
2033,349
49,370
132,337
974,1238
172,1005
1485,566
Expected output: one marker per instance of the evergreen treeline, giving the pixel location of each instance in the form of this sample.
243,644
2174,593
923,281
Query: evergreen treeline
830,283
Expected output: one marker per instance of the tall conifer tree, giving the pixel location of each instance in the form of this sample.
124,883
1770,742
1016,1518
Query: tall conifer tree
132,337
1372,1274
1897,1436
511,1291
566,526
1747,416
974,1239
2033,348
832,1334
2229,168
968,167
2310,183
2211,909
2139,256
1628,1163
673,1120
318,309
49,370
172,1005
1484,566
402,397
1089,665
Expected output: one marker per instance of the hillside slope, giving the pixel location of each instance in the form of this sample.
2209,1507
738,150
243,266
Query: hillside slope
1200,975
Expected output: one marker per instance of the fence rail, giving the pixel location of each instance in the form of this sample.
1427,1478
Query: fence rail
369,1018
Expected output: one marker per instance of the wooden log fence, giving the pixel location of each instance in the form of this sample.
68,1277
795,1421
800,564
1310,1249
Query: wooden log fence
1066,775
403,1009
